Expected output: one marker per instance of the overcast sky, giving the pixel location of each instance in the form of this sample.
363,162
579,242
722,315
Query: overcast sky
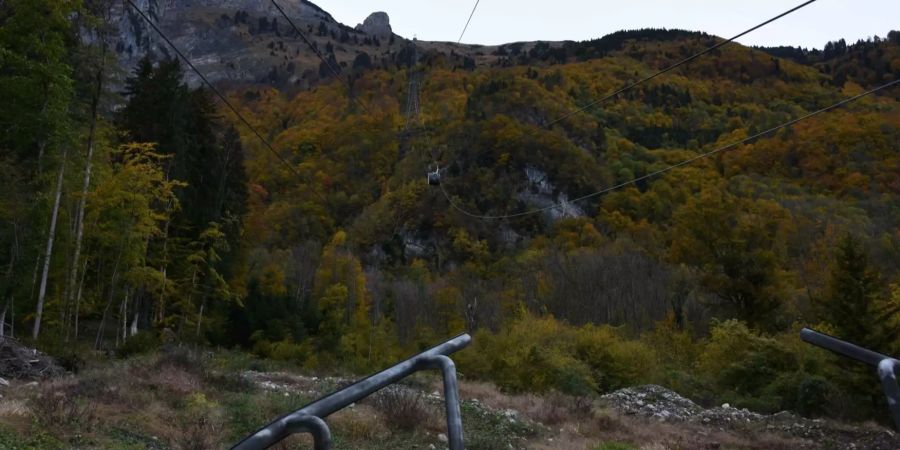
502,21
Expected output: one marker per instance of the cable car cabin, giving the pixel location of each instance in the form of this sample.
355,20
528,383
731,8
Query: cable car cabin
434,177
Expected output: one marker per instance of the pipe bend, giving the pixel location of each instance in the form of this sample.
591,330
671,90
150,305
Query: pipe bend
305,423
442,362
887,368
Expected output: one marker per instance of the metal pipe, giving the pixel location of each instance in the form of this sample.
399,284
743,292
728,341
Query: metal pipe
886,366
281,428
842,347
451,398
887,372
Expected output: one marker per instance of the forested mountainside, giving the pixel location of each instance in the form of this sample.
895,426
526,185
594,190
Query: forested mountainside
145,211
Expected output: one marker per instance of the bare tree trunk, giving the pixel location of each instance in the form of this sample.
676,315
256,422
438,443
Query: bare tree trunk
137,299
161,306
85,185
184,312
78,303
8,280
112,290
123,311
34,274
48,255
134,323
3,321
42,145
200,316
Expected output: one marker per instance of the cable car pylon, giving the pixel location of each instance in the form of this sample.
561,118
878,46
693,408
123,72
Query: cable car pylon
414,125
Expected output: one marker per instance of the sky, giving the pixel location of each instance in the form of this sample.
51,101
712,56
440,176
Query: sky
503,21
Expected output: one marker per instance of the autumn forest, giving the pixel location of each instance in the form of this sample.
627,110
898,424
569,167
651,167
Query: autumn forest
137,210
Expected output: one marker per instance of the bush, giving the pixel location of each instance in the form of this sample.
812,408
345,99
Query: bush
614,361
57,409
140,343
200,425
403,408
765,374
543,354
530,354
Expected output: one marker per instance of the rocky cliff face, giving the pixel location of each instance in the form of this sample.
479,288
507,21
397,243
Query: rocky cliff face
249,41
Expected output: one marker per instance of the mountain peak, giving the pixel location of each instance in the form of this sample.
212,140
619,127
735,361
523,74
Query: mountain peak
378,23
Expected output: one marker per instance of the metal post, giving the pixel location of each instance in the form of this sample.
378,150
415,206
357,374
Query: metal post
451,398
886,366
887,371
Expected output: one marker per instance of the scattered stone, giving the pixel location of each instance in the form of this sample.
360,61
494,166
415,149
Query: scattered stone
442,437
653,401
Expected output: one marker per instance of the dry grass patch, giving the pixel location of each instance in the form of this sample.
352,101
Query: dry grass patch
62,405
403,409
359,424
649,433
550,409
173,380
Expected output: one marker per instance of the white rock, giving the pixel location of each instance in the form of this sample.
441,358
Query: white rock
726,405
442,437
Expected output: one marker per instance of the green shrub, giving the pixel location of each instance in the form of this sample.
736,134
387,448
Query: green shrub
530,354
140,343
542,354
614,361
765,374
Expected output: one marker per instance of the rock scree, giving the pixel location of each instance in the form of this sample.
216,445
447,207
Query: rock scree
659,403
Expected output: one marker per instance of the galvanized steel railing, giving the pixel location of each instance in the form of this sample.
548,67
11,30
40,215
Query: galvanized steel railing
886,366
310,418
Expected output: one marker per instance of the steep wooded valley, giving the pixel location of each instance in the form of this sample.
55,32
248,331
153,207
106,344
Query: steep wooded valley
147,233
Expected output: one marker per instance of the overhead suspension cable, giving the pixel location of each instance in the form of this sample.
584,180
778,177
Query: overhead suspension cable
685,162
213,89
318,53
619,91
467,22
676,65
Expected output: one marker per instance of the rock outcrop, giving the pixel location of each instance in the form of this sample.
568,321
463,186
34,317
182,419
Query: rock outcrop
377,24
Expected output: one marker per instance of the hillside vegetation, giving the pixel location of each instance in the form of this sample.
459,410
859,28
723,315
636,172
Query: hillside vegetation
153,215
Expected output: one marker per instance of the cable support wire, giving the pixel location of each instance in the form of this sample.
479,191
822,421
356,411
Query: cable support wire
622,90
676,65
458,41
685,162
318,53
212,87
